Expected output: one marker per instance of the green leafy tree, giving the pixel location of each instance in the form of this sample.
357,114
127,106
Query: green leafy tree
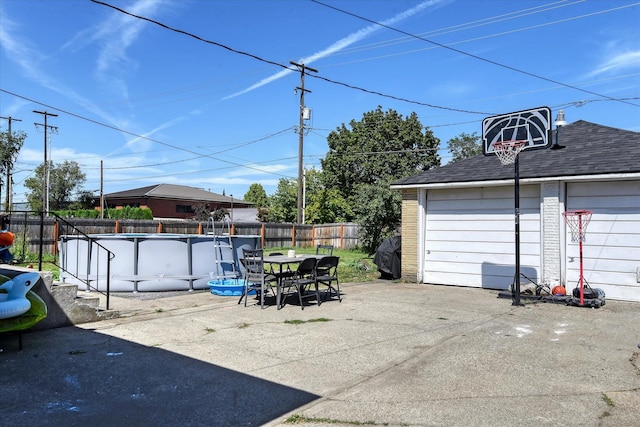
283,204
381,147
464,146
323,205
327,206
10,145
366,158
65,185
257,195
378,211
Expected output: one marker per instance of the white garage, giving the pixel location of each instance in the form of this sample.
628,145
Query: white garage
470,236
458,220
611,247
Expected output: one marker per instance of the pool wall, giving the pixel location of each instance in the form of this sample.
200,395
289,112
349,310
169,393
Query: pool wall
151,262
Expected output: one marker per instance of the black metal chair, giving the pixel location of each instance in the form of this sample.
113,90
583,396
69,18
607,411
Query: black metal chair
324,250
255,278
303,278
326,274
283,273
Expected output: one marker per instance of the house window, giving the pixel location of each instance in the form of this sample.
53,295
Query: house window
184,209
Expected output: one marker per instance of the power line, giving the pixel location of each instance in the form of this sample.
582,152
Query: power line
138,136
489,61
256,57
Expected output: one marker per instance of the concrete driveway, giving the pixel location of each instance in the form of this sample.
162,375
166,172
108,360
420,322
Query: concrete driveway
390,354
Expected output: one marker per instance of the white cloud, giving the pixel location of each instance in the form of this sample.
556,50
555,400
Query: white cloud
618,62
342,44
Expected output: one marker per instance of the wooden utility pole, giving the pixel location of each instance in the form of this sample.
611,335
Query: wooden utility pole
302,90
101,191
7,203
45,170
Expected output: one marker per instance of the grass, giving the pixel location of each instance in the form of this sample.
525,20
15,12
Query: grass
299,419
355,266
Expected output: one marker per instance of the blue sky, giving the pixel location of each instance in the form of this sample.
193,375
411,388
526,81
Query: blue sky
160,106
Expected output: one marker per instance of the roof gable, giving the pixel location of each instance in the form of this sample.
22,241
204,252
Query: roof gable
173,191
590,149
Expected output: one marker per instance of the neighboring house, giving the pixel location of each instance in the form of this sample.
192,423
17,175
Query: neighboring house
458,220
172,201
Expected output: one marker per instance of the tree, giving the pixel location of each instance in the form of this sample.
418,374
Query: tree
378,211
201,211
323,205
464,146
10,145
257,195
363,161
283,204
65,185
382,147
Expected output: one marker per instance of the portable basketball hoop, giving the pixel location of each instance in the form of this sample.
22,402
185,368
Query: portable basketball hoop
507,151
505,136
577,221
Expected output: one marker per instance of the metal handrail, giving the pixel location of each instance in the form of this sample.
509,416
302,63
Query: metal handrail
74,231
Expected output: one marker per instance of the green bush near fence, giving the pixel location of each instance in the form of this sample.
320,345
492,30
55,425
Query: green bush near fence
126,212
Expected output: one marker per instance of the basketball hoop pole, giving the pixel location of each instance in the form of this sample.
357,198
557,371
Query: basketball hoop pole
516,197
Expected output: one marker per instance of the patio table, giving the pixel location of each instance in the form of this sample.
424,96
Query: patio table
281,261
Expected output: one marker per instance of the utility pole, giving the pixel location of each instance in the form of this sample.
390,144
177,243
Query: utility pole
302,90
7,203
101,191
45,170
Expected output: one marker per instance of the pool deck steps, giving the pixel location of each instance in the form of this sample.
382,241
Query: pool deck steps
65,305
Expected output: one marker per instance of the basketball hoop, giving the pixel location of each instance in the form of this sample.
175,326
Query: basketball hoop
507,151
577,221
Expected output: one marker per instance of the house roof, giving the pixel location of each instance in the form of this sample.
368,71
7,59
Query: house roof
590,149
172,191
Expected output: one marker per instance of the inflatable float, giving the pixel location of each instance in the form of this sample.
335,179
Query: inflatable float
6,241
20,308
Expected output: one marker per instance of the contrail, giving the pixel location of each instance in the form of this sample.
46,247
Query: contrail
341,44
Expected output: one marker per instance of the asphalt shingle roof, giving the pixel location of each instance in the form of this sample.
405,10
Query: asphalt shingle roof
172,191
590,149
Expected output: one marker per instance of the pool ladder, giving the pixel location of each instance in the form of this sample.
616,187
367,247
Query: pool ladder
225,264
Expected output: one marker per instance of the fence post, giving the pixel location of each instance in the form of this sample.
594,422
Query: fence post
262,235
341,235
117,226
313,235
56,235
199,228
159,230
293,235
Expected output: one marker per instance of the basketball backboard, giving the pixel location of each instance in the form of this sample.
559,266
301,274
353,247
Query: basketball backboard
532,126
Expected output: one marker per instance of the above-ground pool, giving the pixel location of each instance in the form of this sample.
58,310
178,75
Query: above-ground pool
152,262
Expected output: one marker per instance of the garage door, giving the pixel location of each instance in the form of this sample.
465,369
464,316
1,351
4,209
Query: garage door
611,249
470,236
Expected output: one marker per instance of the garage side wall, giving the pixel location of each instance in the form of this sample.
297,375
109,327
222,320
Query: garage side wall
410,225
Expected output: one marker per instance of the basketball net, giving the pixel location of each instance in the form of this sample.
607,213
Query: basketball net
577,221
507,151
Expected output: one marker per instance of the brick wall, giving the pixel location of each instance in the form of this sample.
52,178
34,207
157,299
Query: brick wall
410,211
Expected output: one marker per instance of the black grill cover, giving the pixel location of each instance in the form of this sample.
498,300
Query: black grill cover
388,258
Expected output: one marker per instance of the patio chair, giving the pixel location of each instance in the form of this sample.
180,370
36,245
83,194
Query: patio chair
326,274
285,273
324,250
302,279
255,278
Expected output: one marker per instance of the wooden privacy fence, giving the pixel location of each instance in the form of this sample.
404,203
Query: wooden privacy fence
27,231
